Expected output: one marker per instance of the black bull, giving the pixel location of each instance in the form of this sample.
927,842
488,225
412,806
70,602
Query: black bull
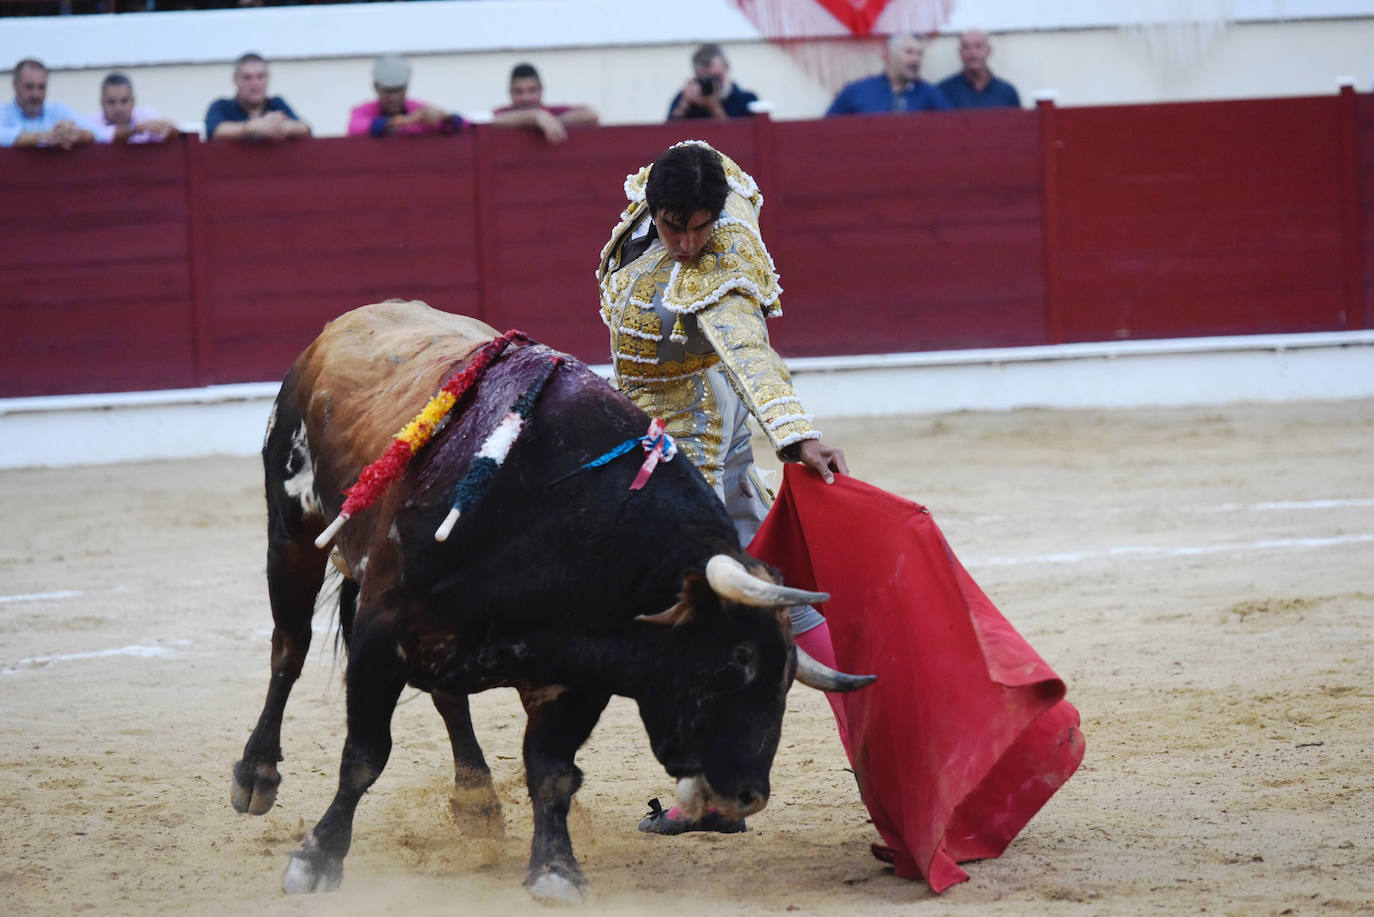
567,587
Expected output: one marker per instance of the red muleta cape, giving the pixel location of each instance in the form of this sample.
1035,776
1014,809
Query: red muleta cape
966,733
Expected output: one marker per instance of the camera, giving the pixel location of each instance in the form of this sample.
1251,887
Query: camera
707,85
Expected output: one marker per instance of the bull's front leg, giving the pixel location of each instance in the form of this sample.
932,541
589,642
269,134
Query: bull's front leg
474,803
560,719
373,683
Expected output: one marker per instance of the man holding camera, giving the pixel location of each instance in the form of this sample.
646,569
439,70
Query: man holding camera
710,93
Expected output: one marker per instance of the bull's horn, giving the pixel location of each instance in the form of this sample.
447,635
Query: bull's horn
822,677
730,580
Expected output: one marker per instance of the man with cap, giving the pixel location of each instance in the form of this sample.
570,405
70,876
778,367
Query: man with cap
253,115
392,112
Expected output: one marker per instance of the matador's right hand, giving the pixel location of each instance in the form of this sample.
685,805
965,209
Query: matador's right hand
822,459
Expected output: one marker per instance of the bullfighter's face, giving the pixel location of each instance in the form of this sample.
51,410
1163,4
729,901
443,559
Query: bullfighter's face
684,237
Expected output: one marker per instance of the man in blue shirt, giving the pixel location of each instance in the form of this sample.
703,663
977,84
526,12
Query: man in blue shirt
710,93
31,120
251,115
898,89
975,86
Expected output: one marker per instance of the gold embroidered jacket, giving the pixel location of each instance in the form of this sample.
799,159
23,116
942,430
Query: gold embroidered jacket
717,306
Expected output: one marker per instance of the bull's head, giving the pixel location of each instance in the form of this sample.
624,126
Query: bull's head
716,724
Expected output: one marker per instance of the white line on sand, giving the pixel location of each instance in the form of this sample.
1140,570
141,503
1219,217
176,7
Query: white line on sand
1280,505
41,596
1074,557
137,650
1195,508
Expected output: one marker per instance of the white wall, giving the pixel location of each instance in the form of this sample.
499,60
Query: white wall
230,419
628,57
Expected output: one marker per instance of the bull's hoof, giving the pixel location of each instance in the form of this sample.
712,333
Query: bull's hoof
555,884
477,812
308,873
255,787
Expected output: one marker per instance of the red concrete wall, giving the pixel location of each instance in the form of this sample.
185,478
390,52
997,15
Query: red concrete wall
191,264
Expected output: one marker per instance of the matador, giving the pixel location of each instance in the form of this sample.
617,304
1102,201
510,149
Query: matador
687,285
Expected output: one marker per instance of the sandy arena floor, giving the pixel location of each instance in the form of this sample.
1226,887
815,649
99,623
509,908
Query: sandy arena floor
1203,580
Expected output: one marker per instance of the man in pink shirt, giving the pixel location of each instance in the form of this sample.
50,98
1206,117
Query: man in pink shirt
392,112
121,121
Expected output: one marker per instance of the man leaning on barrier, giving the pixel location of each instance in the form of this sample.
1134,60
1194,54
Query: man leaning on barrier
252,115
31,120
394,111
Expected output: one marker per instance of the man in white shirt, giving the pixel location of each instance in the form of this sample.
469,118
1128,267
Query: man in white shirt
31,120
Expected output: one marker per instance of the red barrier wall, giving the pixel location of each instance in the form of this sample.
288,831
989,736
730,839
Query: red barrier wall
908,233
93,268
1181,220
191,264
1359,144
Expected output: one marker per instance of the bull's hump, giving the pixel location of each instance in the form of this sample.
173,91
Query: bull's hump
399,330
378,365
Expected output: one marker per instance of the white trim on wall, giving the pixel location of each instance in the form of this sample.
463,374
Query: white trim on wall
230,419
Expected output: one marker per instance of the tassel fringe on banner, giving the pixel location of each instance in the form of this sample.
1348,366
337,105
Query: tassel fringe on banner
836,41
382,473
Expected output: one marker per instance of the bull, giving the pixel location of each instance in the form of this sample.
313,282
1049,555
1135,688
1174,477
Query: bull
569,587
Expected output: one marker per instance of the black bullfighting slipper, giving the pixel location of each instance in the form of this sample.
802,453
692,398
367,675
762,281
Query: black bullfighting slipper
658,821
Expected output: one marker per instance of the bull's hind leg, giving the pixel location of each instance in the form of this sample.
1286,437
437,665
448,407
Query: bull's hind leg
374,681
295,571
474,802
560,719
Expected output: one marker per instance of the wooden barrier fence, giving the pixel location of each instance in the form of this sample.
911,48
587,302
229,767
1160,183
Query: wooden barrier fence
187,264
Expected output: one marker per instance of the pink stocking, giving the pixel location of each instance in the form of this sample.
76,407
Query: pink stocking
816,642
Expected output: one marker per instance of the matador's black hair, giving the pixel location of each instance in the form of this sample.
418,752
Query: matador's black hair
686,179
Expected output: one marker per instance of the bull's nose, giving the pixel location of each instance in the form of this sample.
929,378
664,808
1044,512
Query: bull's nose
751,801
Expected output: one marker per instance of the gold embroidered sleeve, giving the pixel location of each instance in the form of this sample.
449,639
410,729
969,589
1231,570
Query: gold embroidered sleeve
736,330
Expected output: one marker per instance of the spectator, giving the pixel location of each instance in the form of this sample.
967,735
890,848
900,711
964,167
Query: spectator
31,120
251,115
898,88
975,86
527,108
121,121
710,93
392,112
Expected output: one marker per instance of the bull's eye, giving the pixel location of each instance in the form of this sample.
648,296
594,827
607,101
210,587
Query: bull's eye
745,659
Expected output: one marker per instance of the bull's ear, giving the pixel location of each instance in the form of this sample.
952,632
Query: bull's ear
680,613
696,595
